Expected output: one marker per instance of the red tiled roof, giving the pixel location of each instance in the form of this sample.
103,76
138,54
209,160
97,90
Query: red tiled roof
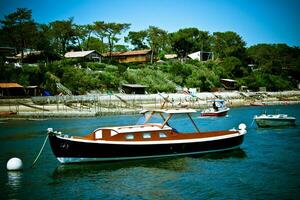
10,85
128,53
137,52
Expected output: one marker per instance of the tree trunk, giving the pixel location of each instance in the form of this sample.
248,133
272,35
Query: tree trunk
88,41
152,52
110,48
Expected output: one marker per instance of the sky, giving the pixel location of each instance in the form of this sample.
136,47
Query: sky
256,21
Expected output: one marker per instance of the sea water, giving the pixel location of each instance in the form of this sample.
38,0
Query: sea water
267,166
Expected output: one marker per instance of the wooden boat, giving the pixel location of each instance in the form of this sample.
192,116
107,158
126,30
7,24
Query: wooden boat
148,140
218,109
265,120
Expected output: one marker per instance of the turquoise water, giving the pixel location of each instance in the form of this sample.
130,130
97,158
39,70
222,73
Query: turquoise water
266,167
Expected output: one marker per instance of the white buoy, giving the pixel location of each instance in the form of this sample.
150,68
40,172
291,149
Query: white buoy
242,126
14,164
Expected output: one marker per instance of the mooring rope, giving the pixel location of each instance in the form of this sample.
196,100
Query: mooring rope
40,151
252,123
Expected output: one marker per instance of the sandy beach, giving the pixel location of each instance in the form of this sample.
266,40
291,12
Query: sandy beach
103,104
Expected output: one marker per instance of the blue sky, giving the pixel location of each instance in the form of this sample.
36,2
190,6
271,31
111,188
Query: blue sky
257,21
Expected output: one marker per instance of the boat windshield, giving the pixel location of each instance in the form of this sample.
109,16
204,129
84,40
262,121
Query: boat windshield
218,104
179,122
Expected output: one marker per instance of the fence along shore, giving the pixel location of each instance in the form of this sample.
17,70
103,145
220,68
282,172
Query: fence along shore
104,104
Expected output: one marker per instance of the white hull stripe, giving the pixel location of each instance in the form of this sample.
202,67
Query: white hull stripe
158,142
76,160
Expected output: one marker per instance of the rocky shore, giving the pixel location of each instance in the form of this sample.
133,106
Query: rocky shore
103,104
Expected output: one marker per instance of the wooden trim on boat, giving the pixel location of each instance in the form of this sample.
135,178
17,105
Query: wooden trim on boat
138,136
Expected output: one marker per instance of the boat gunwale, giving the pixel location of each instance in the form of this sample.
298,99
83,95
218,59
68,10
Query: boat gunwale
229,134
268,117
215,112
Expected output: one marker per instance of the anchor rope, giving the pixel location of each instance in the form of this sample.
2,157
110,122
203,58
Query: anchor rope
37,157
252,123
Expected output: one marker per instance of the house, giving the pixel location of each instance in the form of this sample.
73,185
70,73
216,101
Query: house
33,90
229,84
91,55
201,56
131,56
29,55
134,88
7,51
11,89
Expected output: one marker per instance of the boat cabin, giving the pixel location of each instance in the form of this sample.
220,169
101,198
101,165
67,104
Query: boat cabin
145,131
129,133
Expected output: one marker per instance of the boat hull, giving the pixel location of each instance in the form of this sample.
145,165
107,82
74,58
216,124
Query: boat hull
72,151
214,114
275,122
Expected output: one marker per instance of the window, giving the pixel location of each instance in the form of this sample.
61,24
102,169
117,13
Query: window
162,135
129,137
98,134
147,135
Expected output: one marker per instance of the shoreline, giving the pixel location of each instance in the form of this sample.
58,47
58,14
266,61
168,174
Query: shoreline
39,108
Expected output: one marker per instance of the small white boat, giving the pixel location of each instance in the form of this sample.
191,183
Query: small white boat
265,120
218,109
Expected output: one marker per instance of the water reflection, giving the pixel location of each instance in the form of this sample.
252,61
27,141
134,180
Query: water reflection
14,180
85,169
177,164
235,153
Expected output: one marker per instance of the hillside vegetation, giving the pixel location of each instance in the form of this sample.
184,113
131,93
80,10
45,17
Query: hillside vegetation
274,66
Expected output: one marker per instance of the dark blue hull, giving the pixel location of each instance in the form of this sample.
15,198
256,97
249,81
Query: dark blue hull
69,150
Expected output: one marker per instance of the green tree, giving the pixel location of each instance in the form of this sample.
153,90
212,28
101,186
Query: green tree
137,39
155,79
63,33
232,67
272,58
225,44
110,31
157,39
81,32
262,54
120,48
43,42
180,72
202,78
90,28
189,40
19,30
94,44
99,27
